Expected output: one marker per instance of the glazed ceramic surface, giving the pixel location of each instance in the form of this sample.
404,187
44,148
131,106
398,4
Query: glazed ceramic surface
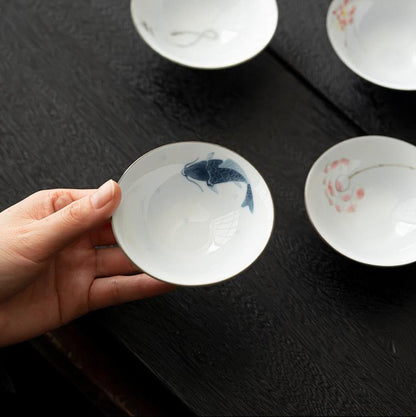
206,33
361,197
376,39
193,213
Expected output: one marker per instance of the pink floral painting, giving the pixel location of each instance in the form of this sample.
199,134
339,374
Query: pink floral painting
338,189
340,182
344,13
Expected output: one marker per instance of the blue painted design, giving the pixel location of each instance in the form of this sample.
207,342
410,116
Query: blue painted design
216,171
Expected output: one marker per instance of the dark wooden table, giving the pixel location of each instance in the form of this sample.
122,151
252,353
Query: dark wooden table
304,331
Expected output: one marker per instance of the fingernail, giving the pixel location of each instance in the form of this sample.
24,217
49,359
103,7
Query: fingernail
103,195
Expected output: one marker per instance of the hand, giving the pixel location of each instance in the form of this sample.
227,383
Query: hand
51,270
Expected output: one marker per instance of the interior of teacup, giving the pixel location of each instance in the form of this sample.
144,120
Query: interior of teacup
193,213
376,39
206,33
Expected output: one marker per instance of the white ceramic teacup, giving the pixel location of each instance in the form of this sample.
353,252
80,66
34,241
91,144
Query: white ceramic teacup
193,213
206,33
376,39
361,197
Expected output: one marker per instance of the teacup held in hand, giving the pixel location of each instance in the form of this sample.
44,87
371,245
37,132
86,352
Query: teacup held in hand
193,213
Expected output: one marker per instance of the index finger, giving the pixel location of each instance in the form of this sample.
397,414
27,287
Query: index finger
46,202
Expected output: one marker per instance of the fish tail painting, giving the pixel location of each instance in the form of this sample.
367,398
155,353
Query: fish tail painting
248,202
216,171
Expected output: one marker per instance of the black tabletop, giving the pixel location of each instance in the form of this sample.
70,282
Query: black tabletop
304,330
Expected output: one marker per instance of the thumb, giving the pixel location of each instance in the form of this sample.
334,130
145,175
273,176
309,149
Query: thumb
66,225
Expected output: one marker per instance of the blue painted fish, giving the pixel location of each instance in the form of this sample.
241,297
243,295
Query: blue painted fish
216,171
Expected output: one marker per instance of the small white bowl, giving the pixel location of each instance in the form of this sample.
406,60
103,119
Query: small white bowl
361,197
206,33
376,39
193,213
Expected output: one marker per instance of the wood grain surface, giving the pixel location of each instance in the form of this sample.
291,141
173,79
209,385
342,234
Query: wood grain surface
304,331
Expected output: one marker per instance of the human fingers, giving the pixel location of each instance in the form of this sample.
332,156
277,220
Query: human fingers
105,292
62,227
45,202
113,261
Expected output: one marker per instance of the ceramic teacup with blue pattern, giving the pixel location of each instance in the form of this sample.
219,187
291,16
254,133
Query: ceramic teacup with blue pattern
193,213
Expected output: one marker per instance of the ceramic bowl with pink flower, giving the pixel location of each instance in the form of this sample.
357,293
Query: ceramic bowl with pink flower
360,196
376,39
